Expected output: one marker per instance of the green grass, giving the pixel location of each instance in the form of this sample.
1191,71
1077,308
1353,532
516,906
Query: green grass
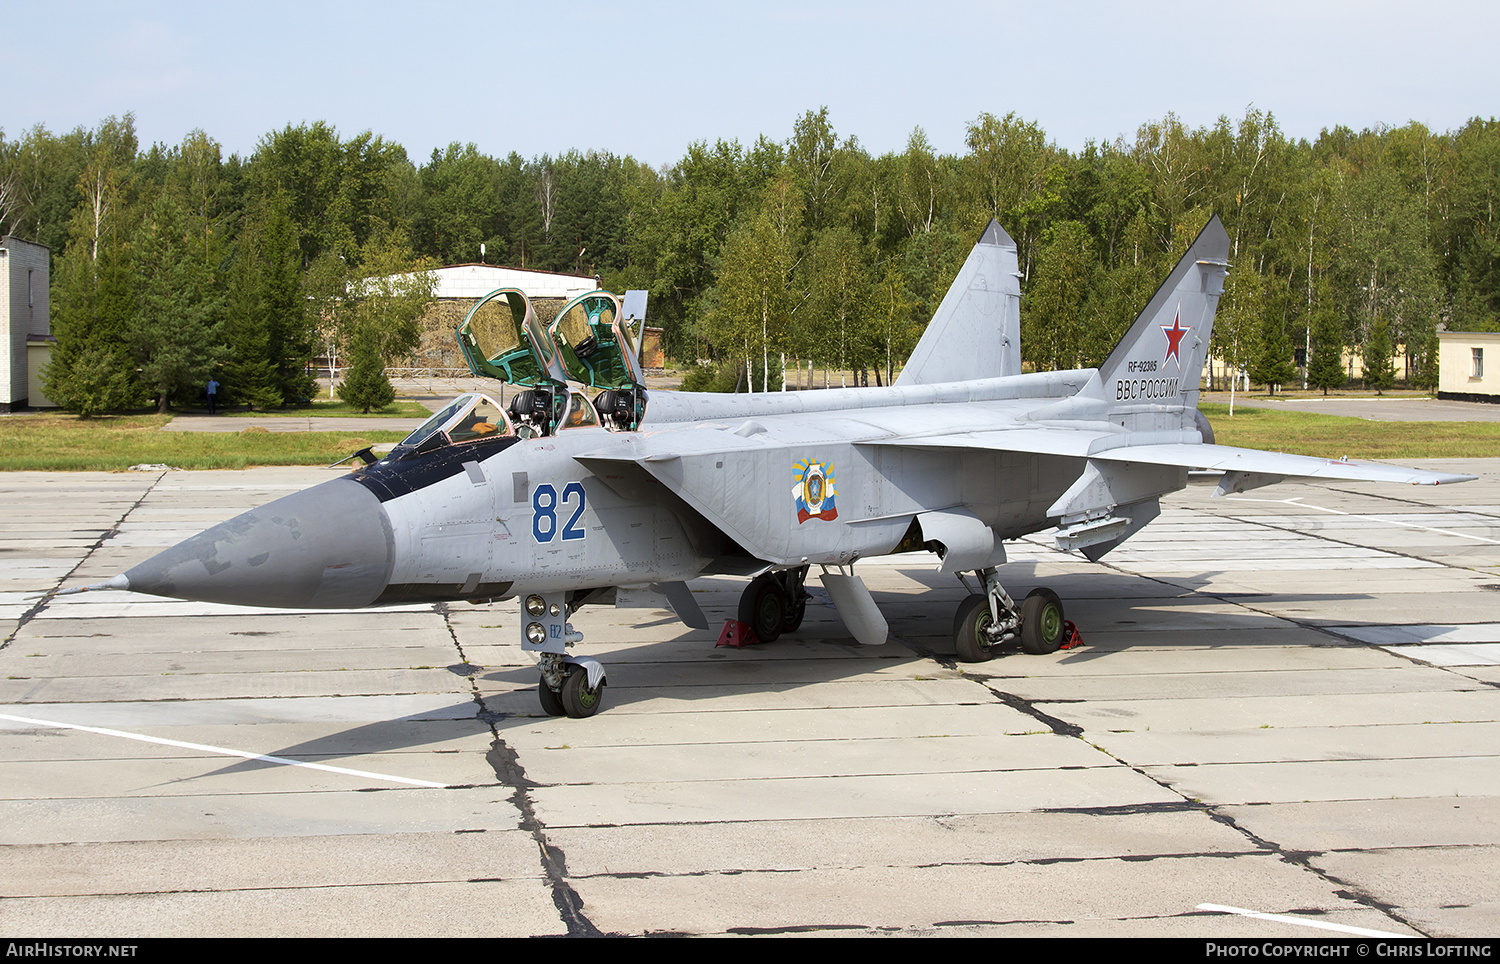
68,443
333,408
1333,436
50,442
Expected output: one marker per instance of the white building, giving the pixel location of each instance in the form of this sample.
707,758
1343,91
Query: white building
470,282
24,315
460,285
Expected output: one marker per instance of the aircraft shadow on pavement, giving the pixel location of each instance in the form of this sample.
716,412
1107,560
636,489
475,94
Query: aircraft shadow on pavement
1116,610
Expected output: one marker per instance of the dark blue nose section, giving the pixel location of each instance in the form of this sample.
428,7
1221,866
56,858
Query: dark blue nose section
328,547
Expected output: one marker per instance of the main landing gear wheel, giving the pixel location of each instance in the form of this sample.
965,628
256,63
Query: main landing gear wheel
792,583
552,703
578,700
1041,622
794,613
764,608
971,629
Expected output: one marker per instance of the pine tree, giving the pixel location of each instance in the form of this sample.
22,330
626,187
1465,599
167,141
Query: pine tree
290,333
250,375
1425,370
94,382
90,372
1325,369
175,336
1380,374
1272,364
365,386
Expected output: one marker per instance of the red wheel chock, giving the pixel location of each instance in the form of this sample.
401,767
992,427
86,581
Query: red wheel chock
1072,638
736,634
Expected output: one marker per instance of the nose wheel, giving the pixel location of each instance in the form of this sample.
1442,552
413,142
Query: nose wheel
580,700
570,686
552,703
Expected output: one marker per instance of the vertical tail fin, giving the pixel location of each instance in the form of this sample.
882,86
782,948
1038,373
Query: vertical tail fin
976,330
1160,360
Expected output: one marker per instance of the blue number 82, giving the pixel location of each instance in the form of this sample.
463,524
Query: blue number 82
544,512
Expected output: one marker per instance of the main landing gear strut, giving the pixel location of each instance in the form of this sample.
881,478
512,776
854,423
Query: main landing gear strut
990,618
774,603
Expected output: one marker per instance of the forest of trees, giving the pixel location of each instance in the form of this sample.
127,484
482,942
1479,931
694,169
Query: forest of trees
172,261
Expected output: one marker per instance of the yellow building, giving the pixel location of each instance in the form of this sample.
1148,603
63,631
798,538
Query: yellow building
1469,366
25,321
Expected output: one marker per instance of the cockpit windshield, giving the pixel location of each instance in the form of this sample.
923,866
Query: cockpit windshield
467,417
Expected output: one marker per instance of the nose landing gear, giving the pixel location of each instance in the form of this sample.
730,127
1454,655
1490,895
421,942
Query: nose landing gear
570,685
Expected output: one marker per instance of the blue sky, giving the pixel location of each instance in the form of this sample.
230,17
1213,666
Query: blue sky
646,79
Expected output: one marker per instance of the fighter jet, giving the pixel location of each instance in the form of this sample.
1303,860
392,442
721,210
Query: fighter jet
558,499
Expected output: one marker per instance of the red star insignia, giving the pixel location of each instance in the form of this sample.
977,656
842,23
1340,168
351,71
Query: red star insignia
1174,337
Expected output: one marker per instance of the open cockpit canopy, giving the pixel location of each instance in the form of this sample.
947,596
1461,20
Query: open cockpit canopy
502,338
580,412
594,340
591,341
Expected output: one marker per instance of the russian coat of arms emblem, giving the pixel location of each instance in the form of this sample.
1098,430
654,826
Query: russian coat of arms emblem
814,492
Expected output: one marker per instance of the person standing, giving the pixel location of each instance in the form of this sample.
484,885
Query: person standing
212,390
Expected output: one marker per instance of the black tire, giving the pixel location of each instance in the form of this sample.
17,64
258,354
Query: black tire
794,613
796,599
969,641
578,700
552,703
1041,622
763,608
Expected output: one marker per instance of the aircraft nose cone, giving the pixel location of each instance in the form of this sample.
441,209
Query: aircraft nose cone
327,547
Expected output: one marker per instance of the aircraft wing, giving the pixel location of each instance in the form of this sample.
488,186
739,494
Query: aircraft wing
688,465
741,481
1125,474
1261,468
1229,459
